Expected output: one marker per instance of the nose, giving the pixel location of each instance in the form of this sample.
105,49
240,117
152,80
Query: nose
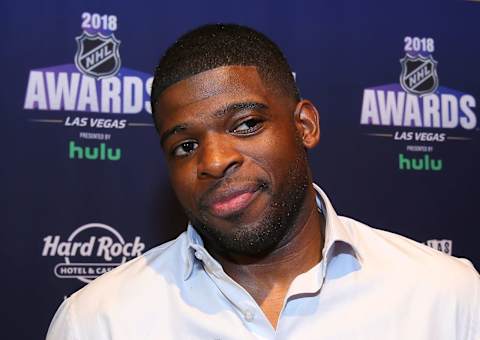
217,157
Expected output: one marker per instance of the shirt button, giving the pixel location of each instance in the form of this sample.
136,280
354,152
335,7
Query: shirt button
199,255
249,315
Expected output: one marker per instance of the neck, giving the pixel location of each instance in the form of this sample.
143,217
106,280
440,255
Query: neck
270,276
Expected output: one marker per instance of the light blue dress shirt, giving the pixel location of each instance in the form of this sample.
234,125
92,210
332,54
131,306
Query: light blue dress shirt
371,284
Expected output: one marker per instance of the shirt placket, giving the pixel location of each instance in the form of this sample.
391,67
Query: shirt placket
243,303
310,282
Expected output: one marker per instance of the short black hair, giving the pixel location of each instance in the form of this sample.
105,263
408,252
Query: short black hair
214,45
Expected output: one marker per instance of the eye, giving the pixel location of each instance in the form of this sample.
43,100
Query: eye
185,148
248,126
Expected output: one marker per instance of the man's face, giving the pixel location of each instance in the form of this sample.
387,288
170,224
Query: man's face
236,158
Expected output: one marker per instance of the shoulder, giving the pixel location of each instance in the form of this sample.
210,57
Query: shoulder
154,267
416,275
393,253
126,289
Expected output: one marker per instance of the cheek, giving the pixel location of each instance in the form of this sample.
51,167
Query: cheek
275,152
182,177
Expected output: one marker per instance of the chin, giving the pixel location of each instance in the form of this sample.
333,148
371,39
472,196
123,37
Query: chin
241,235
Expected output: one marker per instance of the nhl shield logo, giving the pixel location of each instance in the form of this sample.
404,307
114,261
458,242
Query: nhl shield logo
419,74
97,55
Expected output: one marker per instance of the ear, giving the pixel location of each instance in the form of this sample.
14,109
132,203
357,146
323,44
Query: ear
307,123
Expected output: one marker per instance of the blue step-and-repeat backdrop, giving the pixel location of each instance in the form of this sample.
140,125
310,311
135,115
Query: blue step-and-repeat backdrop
84,185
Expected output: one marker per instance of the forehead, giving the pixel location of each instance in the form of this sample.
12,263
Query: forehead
212,88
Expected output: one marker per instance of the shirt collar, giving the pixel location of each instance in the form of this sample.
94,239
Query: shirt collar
338,238
194,242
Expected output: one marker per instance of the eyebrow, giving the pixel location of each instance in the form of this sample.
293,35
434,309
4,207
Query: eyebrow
237,107
227,110
170,132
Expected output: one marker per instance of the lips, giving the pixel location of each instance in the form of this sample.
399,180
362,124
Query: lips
232,200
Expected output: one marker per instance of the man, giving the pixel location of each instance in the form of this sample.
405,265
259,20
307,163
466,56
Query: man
265,255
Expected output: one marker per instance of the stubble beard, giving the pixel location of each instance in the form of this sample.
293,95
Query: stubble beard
263,236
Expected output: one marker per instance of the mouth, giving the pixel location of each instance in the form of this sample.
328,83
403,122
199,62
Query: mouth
233,201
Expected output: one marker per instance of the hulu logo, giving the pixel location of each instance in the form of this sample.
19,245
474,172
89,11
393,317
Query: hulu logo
424,163
100,152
